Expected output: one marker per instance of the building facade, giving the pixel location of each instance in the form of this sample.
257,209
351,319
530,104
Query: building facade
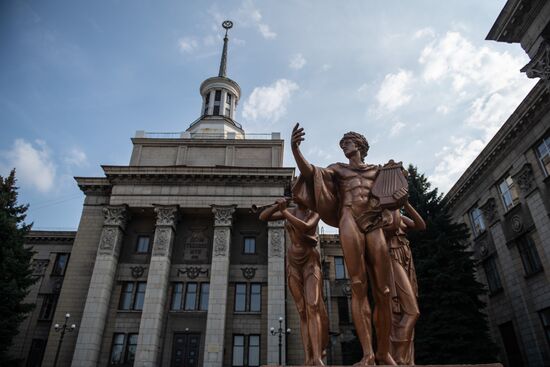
504,197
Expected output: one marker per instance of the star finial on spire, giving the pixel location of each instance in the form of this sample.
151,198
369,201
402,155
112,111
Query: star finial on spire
227,25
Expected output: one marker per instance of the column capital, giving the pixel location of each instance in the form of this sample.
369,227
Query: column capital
167,215
223,215
116,215
525,179
276,224
539,66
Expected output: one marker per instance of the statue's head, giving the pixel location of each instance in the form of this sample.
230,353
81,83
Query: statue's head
360,142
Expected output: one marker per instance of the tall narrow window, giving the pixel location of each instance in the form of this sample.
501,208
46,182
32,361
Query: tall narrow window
253,350
529,255
140,296
49,302
132,296
131,347
216,110
340,272
218,95
190,296
238,350
126,296
545,319
476,218
228,98
205,293
493,277
508,192
117,349
249,246
255,297
177,296
142,245
227,112
60,264
543,154
240,297
36,353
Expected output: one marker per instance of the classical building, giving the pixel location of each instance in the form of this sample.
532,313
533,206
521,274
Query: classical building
504,196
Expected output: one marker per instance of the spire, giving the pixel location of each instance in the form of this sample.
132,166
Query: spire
223,63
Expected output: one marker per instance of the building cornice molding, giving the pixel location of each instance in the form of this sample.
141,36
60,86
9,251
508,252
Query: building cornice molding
207,142
514,20
94,185
528,113
35,237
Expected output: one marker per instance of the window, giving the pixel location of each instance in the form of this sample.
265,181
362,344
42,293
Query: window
508,192
218,95
543,153
142,245
228,98
36,353
216,110
246,345
249,245
132,296
529,255
227,112
248,297
545,319
491,272
339,269
60,264
478,226
192,300
343,310
123,349
49,302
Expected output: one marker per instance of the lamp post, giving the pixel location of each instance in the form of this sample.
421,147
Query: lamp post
279,332
64,328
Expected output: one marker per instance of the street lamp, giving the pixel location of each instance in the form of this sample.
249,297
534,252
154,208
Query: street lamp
280,333
64,328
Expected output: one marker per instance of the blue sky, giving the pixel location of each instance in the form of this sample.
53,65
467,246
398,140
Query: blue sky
78,78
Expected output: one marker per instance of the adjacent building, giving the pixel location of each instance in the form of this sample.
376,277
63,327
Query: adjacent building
504,196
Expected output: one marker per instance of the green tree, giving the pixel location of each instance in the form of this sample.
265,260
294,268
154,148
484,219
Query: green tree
452,328
15,270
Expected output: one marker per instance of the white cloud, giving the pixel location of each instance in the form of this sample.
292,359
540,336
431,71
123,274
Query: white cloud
269,102
76,157
453,161
396,128
297,62
326,67
246,16
33,164
393,92
442,109
266,32
424,32
187,44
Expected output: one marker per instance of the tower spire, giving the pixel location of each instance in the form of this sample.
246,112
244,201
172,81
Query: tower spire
223,63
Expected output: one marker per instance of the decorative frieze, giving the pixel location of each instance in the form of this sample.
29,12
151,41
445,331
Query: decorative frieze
193,272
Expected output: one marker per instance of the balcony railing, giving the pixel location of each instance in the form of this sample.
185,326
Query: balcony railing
188,135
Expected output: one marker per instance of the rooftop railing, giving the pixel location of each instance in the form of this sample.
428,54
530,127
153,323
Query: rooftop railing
224,135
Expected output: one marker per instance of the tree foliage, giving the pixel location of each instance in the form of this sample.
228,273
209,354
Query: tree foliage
15,270
452,328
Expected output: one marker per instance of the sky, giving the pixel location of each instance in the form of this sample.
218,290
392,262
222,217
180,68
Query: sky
78,78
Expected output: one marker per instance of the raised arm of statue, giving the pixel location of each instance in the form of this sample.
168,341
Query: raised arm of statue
306,169
416,221
304,226
272,213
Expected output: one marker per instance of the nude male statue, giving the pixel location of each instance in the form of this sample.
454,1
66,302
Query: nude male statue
341,194
304,275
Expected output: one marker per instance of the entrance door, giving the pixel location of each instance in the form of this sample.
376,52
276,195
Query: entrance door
185,352
511,345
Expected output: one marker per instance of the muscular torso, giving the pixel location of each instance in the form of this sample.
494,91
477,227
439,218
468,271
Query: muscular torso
354,184
302,243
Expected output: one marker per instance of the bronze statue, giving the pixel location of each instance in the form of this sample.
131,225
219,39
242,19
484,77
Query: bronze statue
304,275
405,311
341,194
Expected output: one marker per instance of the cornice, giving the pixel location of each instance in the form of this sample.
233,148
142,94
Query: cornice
207,142
50,236
514,20
527,114
94,185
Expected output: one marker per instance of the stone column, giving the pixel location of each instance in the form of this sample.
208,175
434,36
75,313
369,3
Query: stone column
149,345
219,274
275,288
88,343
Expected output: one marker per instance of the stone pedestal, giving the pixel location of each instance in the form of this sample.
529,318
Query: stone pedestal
275,288
92,325
149,343
419,365
219,274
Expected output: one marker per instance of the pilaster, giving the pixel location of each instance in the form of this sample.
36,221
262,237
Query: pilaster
149,345
219,275
275,288
91,328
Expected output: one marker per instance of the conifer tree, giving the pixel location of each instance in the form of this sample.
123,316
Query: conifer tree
15,271
452,328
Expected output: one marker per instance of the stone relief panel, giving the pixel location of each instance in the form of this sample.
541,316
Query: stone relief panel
539,66
276,242
115,216
39,266
108,241
489,210
223,215
137,271
193,272
525,179
221,241
162,240
196,245
166,215
249,272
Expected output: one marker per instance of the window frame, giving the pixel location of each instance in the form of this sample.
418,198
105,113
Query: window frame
248,297
530,258
200,295
187,295
244,249
494,267
55,269
511,190
238,294
545,322
53,298
344,274
243,350
204,296
259,347
133,294
113,345
246,350
546,142
136,249
476,214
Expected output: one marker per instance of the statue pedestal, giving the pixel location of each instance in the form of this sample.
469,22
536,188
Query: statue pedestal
419,365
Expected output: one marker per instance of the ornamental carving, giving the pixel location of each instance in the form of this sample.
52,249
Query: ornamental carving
249,273
137,271
516,223
221,241
276,243
108,239
223,215
39,266
489,210
162,241
115,216
193,272
166,215
539,66
525,179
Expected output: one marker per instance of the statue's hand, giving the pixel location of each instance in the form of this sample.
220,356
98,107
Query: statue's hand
281,204
297,136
